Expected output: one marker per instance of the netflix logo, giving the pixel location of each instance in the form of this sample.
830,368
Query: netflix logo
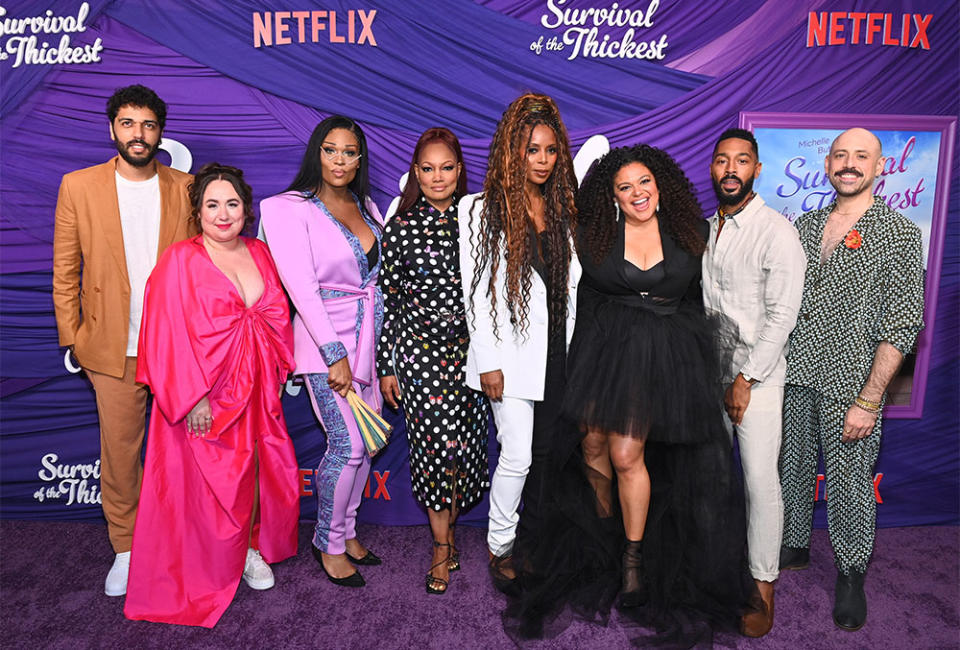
285,27
819,495
867,28
308,479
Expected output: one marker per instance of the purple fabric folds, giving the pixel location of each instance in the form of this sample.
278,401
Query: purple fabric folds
455,63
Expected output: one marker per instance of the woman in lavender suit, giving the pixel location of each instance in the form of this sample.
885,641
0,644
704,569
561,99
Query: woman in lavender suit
324,233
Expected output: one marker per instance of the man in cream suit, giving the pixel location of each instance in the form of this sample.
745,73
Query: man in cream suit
112,223
753,274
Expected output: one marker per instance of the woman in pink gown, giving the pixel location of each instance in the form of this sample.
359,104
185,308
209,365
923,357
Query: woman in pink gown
219,491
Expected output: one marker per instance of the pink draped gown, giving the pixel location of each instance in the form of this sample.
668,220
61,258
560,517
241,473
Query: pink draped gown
194,520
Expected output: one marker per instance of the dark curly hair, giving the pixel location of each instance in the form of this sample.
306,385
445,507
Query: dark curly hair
678,212
137,95
504,221
216,172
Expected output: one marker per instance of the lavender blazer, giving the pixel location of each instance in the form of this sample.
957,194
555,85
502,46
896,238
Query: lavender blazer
339,308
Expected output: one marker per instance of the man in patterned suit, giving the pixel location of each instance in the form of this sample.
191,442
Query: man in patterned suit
861,312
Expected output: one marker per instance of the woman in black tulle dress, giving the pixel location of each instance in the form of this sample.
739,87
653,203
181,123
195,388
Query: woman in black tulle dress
645,489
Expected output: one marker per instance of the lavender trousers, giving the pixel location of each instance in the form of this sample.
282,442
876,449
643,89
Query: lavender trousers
343,470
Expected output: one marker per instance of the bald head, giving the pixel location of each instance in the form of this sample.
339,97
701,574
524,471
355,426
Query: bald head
858,139
855,160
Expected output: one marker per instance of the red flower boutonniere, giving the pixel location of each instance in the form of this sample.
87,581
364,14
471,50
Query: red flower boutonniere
853,240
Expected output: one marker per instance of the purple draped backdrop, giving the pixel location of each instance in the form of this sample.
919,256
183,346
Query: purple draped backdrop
455,63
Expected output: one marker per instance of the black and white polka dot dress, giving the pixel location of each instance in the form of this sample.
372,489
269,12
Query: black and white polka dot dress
424,343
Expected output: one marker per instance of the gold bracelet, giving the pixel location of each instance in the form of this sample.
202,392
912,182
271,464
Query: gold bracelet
865,402
863,407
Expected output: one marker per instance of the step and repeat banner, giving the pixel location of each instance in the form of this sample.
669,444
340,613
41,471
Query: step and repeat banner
246,82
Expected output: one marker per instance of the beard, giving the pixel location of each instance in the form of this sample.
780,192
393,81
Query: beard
141,160
726,198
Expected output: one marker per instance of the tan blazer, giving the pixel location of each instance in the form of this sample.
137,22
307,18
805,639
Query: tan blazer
93,311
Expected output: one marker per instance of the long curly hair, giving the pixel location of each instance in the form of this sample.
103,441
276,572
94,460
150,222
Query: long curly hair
679,211
504,222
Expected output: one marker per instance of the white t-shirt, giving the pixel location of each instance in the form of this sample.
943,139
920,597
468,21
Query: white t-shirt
140,220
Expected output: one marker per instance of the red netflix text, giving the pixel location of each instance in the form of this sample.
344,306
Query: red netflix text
308,478
867,28
822,482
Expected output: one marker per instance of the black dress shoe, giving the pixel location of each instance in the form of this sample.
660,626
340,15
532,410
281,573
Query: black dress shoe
794,558
367,560
502,581
352,580
850,603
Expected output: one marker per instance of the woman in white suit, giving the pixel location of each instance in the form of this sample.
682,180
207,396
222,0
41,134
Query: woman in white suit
519,279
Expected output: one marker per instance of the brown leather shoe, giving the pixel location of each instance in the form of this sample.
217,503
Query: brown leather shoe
757,621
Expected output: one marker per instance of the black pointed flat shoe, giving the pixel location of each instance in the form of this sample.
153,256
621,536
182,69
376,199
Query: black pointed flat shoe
352,580
367,560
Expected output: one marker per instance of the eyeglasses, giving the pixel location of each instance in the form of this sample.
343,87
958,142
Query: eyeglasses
348,156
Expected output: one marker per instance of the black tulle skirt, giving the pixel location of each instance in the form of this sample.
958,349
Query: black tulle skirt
636,372
650,372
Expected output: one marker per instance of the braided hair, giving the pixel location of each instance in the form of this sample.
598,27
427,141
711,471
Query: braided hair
504,220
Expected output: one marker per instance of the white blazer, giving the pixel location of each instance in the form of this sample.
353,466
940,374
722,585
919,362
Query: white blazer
521,356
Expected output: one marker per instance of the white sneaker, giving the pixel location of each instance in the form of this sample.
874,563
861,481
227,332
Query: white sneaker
257,573
116,584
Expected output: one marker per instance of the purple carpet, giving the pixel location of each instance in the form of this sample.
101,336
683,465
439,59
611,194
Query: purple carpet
51,593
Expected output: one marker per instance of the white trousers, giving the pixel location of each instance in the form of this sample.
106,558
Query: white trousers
759,437
514,420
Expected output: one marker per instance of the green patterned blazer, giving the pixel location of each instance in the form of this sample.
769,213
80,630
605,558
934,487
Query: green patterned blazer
869,290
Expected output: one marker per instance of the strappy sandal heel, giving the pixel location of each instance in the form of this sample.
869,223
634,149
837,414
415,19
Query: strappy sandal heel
437,585
453,563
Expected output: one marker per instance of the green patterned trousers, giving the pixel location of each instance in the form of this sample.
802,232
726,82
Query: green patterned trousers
813,422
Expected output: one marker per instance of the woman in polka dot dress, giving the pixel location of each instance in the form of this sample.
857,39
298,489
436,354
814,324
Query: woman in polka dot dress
423,346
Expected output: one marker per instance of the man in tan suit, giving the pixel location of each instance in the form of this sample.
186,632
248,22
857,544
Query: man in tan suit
112,223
